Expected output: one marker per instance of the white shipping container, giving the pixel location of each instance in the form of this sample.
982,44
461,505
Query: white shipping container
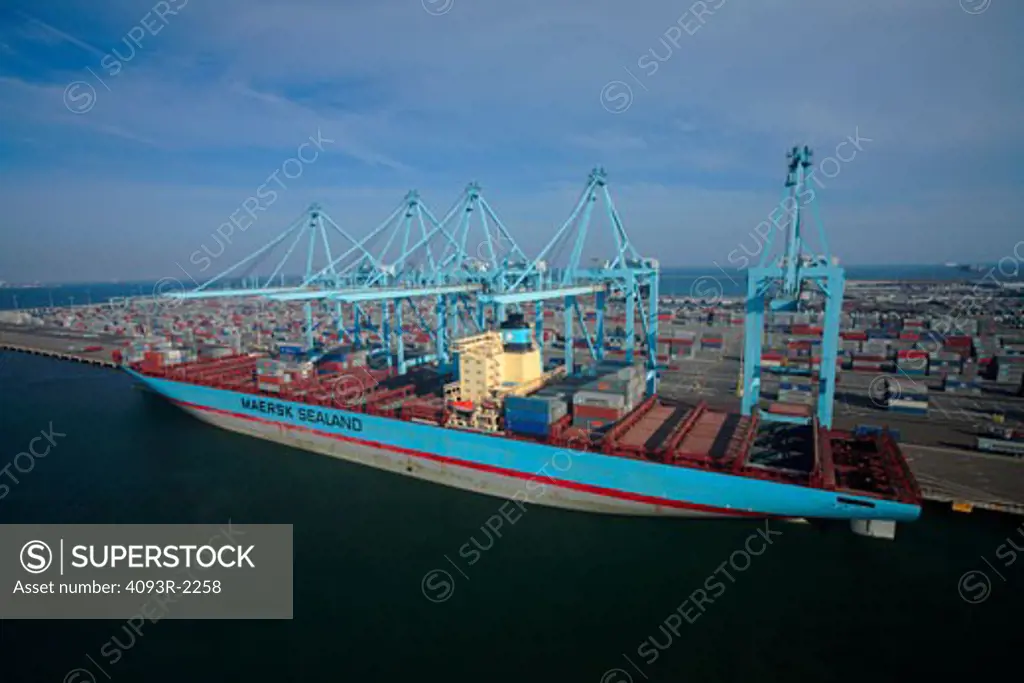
597,398
916,405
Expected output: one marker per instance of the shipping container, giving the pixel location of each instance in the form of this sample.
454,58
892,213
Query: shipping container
1006,446
596,412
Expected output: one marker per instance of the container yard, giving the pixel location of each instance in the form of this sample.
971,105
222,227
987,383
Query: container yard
953,413
825,387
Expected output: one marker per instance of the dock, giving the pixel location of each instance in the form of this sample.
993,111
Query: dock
54,346
967,480
947,473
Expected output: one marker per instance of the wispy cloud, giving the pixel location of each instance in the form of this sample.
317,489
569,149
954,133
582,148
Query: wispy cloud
510,95
36,29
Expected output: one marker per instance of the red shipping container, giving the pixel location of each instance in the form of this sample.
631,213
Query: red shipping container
912,353
910,336
790,409
854,336
597,412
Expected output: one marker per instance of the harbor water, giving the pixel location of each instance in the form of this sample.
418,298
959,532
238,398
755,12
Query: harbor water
401,580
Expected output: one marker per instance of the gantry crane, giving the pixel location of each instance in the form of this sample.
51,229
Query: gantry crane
626,273
414,255
781,282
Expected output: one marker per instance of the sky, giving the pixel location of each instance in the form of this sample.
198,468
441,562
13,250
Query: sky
132,130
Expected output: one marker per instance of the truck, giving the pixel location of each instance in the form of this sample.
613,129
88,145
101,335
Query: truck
1012,447
1001,438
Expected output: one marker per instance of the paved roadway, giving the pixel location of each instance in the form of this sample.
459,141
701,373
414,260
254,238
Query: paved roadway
948,475
60,341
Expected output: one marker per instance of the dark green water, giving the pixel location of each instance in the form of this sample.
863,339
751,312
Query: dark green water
559,597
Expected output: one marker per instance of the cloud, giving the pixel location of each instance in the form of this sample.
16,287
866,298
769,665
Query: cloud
510,95
35,30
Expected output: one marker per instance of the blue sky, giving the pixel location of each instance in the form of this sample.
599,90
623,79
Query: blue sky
520,96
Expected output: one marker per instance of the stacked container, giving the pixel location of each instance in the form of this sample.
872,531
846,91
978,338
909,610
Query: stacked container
211,351
911,400
600,403
849,346
866,362
595,411
968,326
535,414
954,384
876,347
1009,369
945,362
291,348
961,345
796,392
711,342
270,375
912,362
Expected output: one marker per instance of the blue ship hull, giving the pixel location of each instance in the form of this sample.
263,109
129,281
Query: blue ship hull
524,472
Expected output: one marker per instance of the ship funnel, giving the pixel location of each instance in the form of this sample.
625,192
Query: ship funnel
516,334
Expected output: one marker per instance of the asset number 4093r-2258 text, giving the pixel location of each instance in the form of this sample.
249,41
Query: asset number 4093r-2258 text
173,587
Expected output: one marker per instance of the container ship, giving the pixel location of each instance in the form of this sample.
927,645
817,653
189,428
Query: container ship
496,420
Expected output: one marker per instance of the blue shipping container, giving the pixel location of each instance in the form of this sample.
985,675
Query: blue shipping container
527,404
907,411
526,427
539,418
872,430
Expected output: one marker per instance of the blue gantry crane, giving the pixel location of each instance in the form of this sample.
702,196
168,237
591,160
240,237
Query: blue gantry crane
309,230
787,281
625,274
422,257
468,263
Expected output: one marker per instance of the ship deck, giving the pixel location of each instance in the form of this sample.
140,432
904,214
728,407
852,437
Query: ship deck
662,431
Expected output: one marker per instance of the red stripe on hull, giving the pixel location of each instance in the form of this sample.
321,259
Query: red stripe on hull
563,483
